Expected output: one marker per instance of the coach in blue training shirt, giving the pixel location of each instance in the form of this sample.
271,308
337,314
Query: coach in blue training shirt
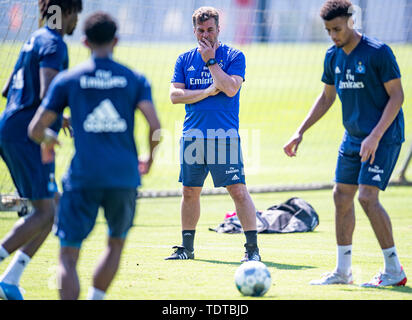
207,80
365,74
41,58
103,96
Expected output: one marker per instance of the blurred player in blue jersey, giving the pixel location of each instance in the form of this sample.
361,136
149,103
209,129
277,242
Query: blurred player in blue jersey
103,96
365,74
207,79
41,58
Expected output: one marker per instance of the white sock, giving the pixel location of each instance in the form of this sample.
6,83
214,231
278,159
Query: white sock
95,294
3,253
344,259
392,264
15,269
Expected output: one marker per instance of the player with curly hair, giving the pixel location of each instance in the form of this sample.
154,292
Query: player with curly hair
41,58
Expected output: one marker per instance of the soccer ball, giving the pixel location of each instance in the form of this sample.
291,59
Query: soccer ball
253,278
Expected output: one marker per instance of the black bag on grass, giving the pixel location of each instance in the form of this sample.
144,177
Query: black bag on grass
293,215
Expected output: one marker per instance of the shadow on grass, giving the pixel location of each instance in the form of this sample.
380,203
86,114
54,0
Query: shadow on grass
137,225
401,289
267,263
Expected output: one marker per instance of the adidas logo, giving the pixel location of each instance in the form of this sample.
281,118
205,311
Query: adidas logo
392,255
377,178
183,256
337,70
22,262
191,68
104,118
235,177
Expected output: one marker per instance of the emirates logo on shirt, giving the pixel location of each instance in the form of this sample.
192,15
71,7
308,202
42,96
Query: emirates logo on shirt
350,82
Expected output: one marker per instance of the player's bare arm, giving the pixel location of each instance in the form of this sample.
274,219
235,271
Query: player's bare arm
396,97
46,77
229,84
39,132
179,94
319,109
149,112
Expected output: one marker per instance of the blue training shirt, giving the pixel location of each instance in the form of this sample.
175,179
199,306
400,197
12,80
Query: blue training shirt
359,80
215,112
102,95
44,49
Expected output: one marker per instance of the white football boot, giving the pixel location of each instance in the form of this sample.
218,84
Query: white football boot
333,278
384,279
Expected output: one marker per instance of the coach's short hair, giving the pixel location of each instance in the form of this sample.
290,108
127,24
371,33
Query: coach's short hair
205,13
100,28
335,8
67,6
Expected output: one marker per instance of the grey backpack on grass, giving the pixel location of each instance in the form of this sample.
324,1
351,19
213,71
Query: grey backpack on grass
293,215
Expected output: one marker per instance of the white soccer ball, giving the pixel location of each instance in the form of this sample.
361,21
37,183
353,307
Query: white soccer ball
253,278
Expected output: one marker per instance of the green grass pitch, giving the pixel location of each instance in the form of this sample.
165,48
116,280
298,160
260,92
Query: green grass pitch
282,82
292,259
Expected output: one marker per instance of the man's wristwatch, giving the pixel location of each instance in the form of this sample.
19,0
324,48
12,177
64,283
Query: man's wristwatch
211,62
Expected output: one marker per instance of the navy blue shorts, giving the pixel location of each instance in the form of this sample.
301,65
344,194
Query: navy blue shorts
78,210
222,157
33,179
350,169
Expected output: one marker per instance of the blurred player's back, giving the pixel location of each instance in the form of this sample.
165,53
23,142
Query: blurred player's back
44,49
103,96
41,58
